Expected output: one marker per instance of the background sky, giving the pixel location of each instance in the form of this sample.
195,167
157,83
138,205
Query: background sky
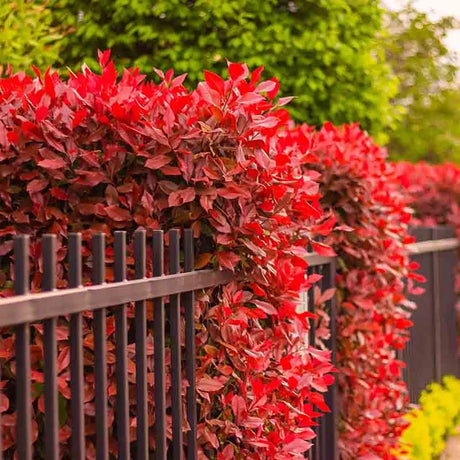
436,9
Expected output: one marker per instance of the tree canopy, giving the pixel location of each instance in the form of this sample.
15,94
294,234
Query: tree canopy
321,50
429,92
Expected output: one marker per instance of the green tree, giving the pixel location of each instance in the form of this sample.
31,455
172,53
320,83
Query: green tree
26,35
322,51
429,92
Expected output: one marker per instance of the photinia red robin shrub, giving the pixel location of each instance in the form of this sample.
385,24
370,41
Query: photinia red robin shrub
434,192
361,191
101,152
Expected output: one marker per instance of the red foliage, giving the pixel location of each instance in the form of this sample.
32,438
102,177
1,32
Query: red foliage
362,192
434,192
105,152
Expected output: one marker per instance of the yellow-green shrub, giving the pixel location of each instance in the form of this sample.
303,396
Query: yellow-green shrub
437,417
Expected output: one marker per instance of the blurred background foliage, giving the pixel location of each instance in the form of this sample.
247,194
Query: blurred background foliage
27,35
344,60
429,90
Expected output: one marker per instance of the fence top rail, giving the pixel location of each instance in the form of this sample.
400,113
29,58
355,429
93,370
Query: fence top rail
314,260
27,308
423,247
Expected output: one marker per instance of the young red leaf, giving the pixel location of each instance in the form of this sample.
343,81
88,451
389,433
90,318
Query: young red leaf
323,249
237,71
215,82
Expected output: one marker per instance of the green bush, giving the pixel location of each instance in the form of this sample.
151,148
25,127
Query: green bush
437,417
26,35
323,51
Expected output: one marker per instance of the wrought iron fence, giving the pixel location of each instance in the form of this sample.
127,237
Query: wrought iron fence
430,354
431,351
25,308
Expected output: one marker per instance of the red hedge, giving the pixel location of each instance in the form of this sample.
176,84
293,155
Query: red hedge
362,191
105,152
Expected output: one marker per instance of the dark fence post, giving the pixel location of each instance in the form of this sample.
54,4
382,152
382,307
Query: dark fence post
50,352
121,350
190,349
76,354
330,437
447,299
23,406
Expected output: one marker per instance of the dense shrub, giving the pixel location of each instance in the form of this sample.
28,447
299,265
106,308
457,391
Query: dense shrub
434,191
361,190
436,417
105,152
323,51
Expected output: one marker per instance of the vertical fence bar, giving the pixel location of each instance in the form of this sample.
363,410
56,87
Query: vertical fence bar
76,354
159,356
330,419
190,354
176,370
435,259
315,450
141,351
50,352
23,405
100,352
121,350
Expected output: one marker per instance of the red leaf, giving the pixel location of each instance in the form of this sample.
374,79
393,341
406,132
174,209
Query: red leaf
59,193
284,100
272,93
297,446
55,163
103,57
181,196
266,86
227,453
209,384
365,304
255,75
118,214
158,161
228,259
37,185
41,113
215,82
250,98
265,307
237,71
4,403
6,247
323,249
63,360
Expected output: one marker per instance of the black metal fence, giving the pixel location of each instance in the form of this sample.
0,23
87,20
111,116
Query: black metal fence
431,351
24,308
429,355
